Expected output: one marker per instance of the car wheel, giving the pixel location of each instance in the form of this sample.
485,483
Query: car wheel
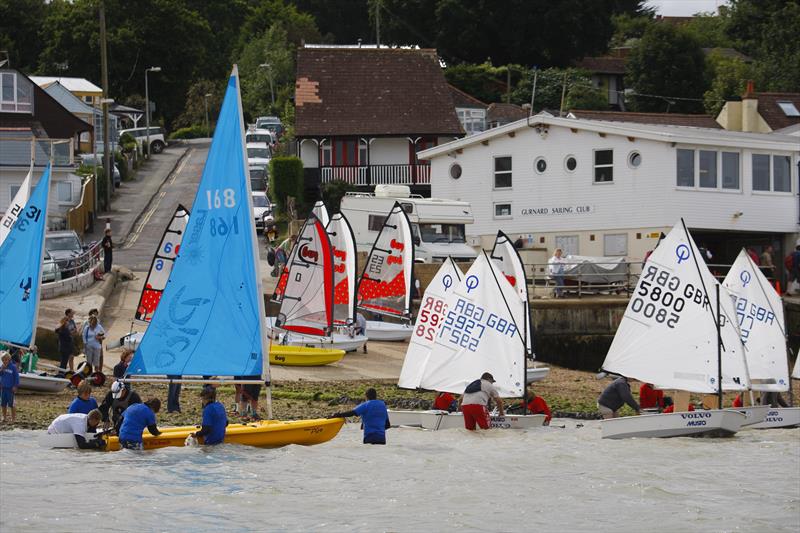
157,147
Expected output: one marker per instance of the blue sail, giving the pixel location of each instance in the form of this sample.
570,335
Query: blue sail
21,268
208,320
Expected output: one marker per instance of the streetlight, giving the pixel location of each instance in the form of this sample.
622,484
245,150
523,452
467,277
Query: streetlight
271,91
205,98
147,106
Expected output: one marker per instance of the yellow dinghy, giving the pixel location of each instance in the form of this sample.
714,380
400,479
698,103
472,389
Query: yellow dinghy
303,356
263,434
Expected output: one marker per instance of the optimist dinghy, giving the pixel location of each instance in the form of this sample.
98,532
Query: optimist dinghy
679,332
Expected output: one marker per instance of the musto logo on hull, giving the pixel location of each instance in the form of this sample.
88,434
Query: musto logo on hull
695,419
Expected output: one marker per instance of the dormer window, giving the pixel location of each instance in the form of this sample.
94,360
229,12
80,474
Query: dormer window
789,109
16,93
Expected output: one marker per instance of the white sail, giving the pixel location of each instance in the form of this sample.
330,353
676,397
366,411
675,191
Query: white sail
510,263
796,370
759,311
431,315
668,335
343,243
482,332
321,212
16,206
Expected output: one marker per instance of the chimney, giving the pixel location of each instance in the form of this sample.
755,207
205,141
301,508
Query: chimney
750,117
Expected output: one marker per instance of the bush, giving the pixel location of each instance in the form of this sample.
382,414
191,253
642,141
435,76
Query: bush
127,142
286,179
122,164
333,192
191,132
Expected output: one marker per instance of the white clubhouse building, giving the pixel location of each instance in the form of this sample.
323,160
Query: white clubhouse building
602,188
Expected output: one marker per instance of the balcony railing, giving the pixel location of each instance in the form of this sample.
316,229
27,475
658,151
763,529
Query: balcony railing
19,150
379,174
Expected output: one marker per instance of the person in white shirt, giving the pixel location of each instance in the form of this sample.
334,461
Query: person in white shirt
475,400
93,335
555,267
78,424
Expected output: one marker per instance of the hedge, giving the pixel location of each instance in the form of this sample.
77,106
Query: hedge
286,179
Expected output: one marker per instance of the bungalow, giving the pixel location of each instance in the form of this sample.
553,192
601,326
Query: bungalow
761,112
362,114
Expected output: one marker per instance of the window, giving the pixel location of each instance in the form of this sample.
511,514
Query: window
615,244
760,172
502,172
363,149
730,170
455,171
570,163
325,153
64,191
502,210
685,168
375,222
708,169
603,166
472,120
634,159
540,165
16,93
88,99
782,173
568,244
789,109
345,152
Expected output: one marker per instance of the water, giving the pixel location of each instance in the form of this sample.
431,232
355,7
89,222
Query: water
548,479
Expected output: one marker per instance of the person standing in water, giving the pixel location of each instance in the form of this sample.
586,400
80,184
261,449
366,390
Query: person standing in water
374,417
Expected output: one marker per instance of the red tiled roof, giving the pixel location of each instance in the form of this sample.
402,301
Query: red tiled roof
505,113
602,65
462,99
771,112
367,91
671,119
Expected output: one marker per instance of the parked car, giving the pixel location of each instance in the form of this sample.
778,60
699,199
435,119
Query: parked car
91,160
157,142
65,248
262,136
258,155
272,124
258,178
262,210
50,271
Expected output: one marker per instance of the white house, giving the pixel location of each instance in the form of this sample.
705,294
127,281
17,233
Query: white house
603,188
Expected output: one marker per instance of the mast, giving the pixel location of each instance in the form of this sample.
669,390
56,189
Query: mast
719,353
262,315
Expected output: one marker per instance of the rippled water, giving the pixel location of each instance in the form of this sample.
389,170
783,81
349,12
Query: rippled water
548,479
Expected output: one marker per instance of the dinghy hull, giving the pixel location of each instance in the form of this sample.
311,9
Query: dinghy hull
437,420
388,331
44,384
536,374
302,356
339,341
754,413
715,423
779,417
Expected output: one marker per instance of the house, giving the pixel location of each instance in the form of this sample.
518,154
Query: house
33,125
500,114
362,114
761,112
471,112
609,188
87,91
608,75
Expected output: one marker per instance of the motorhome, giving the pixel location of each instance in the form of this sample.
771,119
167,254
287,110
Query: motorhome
438,225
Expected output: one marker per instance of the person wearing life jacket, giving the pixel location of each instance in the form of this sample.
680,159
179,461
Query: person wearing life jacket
79,424
445,402
537,406
737,402
374,417
650,397
475,400
669,407
617,394
137,418
212,430
118,399
84,402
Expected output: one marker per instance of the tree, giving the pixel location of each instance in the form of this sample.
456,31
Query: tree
194,111
628,28
666,69
709,30
19,32
481,81
729,79
580,92
340,22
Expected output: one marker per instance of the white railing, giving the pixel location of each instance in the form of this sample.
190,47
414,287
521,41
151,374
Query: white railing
378,174
19,150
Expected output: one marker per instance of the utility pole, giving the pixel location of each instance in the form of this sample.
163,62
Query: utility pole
106,144
378,22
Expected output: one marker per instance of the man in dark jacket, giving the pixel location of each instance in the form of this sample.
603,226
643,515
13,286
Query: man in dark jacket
114,404
617,394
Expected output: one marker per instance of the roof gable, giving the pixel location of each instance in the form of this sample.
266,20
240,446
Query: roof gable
80,85
368,91
772,113
69,101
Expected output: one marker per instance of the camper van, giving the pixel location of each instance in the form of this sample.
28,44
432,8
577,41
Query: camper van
437,225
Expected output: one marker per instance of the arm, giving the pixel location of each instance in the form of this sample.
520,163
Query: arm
344,414
204,430
627,397
93,444
153,430
499,402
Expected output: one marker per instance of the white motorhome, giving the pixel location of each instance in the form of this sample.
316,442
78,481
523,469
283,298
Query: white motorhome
437,225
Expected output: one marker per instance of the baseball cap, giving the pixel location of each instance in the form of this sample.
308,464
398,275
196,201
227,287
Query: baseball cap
488,377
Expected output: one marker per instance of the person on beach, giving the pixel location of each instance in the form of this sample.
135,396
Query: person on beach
374,417
84,402
30,360
66,345
93,336
79,424
121,368
135,419
212,430
556,268
116,402
475,400
361,327
108,250
617,394
174,395
650,397
247,397
537,406
9,381
445,401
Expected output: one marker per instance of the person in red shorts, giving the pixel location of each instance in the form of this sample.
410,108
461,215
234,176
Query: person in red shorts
537,406
474,401
650,397
444,402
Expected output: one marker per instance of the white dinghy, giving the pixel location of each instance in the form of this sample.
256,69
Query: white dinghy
761,325
678,332
41,383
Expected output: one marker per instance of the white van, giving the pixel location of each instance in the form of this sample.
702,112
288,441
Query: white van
437,225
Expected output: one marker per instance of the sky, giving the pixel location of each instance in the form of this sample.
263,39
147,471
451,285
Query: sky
685,8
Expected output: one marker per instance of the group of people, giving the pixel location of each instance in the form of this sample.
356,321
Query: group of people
12,362
91,336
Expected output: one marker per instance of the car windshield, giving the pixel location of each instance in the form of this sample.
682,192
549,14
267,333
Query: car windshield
66,242
442,232
259,138
261,153
260,201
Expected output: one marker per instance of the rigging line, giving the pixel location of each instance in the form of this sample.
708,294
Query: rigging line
508,307
766,296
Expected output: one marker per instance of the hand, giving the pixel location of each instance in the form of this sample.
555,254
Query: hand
14,390
106,425
335,415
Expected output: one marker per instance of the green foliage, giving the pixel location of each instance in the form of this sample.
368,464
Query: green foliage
580,93
729,79
709,30
19,31
333,192
628,28
483,81
127,142
191,132
198,104
286,179
666,62
122,164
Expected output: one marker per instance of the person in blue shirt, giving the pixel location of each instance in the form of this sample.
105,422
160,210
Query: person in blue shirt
374,418
84,402
9,381
135,419
214,418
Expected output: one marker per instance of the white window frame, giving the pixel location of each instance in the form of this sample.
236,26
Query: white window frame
501,217
771,190
27,106
631,155
495,172
470,118
325,150
718,166
595,166
59,184
567,158
535,165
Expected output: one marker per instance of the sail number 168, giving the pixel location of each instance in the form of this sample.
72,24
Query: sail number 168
217,200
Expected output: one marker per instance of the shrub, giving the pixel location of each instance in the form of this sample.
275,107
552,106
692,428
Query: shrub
190,132
127,142
286,179
333,192
122,164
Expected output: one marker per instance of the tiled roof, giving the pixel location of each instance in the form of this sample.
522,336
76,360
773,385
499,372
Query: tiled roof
674,119
772,113
602,65
504,113
462,99
363,91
